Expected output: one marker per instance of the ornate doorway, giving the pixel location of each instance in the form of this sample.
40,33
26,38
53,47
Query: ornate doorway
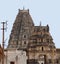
42,59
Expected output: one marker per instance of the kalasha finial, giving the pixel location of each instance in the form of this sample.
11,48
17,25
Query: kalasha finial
23,8
40,23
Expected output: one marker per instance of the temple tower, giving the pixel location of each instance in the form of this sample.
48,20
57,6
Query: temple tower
35,40
21,31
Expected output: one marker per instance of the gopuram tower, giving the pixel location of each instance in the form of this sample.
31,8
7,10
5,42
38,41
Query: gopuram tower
35,40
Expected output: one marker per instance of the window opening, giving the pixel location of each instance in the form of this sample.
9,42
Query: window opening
42,49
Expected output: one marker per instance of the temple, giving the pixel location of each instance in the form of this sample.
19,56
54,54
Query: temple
35,40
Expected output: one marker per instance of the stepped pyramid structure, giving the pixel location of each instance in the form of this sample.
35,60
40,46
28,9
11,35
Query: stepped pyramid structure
22,30
35,40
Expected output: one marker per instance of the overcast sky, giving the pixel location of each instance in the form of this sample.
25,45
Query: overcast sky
46,11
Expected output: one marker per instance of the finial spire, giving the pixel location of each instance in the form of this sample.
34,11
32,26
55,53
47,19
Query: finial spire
40,23
23,8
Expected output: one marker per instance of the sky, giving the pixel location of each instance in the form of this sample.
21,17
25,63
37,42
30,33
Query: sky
46,11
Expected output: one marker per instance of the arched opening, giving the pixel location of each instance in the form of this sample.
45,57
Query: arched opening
24,42
42,49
